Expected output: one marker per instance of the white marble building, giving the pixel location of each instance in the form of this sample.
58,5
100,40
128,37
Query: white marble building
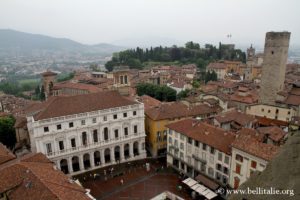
89,131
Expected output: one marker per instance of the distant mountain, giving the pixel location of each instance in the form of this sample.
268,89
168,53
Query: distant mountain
12,41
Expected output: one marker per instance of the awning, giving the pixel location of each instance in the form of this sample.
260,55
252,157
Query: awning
207,182
201,189
190,182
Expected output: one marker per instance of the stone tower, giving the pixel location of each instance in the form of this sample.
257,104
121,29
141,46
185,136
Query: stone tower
274,65
250,53
48,81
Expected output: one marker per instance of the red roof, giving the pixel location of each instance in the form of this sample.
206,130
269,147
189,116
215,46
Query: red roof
35,178
5,154
149,102
69,105
79,86
178,110
249,143
205,133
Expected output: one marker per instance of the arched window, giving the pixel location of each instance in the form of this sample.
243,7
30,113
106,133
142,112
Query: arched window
84,138
105,132
95,135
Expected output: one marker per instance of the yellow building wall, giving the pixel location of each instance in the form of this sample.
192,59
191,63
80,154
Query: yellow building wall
152,128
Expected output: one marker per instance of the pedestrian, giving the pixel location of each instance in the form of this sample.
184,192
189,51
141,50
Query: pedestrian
122,181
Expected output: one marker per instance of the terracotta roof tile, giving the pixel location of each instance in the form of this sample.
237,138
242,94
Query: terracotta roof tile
79,86
149,102
69,105
5,154
205,133
178,110
249,144
239,117
274,132
36,179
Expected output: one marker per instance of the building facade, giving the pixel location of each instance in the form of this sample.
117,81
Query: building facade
193,149
104,129
157,119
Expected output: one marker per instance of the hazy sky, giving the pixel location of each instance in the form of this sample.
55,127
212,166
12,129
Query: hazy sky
95,21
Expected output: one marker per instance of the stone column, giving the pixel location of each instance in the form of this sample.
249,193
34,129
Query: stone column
58,164
92,160
81,164
121,152
112,155
131,150
102,157
70,166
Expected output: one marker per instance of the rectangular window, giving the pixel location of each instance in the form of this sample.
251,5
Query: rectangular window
104,118
116,133
220,156
238,157
204,147
219,167
125,131
73,143
61,145
190,141
181,146
134,113
95,135
181,137
124,114
253,164
115,116
196,143
48,148
212,150
226,160
135,129
82,122
46,129
71,124
58,126
225,170
238,168
94,120
203,156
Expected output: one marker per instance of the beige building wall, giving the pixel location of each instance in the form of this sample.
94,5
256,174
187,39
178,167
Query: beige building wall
271,112
246,169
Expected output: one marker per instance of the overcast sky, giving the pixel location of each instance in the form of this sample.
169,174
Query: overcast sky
113,21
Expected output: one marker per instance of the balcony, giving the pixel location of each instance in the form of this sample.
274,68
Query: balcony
199,159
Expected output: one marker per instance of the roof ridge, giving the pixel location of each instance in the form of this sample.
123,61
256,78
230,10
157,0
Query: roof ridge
43,181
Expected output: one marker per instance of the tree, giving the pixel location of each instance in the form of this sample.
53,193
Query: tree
7,131
182,94
162,93
211,76
42,94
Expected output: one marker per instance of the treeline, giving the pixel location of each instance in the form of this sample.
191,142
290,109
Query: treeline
15,88
162,93
191,53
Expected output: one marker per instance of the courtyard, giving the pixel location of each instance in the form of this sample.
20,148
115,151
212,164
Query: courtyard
132,181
